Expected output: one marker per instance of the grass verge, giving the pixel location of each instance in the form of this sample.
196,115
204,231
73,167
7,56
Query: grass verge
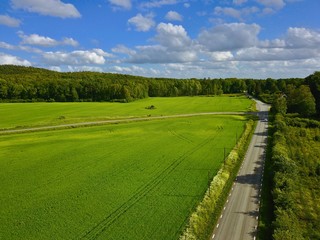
201,222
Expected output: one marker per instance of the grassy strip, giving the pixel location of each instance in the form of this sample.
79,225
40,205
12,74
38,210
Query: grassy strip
265,228
208,211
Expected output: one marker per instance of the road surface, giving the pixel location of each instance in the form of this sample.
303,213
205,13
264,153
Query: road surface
239,218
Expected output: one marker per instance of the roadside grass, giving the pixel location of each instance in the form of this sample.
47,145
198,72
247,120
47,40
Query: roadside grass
21,115
139,180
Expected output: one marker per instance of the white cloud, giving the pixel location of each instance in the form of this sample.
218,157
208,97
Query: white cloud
275,54
69,42
35,39
186,5
54,8
6,46
174,37
141,23
78,57
9,21
9,59
84,68
228,37
160,54
123,49
221,56
158,3
173,16
277,4
302,38
236,13
124,4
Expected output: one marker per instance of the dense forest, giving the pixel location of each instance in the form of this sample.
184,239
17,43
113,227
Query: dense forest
296,178
18,84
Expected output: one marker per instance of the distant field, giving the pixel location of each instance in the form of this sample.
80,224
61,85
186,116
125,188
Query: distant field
128,181
36,114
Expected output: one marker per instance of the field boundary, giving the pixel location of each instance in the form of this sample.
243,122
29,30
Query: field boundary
114,121
207,212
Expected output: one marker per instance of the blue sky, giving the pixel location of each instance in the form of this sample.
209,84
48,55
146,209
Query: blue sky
164,38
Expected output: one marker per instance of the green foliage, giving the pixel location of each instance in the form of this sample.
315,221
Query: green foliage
125,181
279,104
207,212
314,83
300,100
28,84
296,190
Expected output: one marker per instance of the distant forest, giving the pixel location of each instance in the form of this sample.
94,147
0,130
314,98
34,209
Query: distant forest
29,84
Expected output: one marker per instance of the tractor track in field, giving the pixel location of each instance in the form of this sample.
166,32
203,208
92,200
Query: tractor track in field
113,121
141,192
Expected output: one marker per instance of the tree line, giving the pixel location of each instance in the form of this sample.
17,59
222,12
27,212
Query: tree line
29,84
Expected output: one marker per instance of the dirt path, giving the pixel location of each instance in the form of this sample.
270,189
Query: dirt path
114,121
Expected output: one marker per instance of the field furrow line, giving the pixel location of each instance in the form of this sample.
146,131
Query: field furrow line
101,226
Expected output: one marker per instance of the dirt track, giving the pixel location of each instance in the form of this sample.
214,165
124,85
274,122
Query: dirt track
113,121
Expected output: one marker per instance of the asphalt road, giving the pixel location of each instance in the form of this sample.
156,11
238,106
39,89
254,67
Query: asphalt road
239,218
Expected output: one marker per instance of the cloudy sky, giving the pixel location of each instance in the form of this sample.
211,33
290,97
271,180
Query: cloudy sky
164,38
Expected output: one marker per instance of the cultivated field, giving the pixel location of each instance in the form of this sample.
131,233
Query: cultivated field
138,180
35,114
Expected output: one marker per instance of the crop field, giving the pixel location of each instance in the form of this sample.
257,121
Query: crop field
138,180
36,114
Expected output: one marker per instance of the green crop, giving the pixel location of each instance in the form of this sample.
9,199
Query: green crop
35,114
138,180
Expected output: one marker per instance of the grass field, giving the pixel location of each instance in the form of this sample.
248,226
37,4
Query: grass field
36,114
127,181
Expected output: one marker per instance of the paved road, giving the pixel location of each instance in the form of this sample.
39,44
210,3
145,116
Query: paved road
239,218
102,122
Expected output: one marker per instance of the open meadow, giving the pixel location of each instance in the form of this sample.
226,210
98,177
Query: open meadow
138,180
36,114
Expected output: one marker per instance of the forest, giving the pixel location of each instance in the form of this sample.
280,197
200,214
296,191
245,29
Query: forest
296,178
29,84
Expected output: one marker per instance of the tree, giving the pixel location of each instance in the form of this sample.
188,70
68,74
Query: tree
314,83
279,104
301,101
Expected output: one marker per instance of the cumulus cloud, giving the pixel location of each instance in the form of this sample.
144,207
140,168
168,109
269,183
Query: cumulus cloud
174,37
236,13
78,57
228,37
274,54
124,4
173,16
10,59
123,49
54,8
142,23
35,39
302,38
9,21
160,54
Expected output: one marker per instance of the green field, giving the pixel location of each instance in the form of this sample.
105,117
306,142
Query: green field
125,181
35,114
138,180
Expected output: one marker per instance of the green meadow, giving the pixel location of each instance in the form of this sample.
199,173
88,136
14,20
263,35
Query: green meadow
138,180
36,114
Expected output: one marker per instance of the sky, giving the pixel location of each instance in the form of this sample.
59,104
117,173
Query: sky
164,38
